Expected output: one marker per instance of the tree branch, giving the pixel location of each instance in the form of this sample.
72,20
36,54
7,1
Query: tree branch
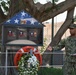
63,28
57,38
60,8
44,12
2,16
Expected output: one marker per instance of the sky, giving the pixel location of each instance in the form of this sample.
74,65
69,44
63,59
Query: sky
44,1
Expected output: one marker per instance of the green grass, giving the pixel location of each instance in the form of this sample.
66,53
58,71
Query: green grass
50,71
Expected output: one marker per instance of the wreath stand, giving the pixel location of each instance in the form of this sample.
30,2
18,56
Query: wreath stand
19,31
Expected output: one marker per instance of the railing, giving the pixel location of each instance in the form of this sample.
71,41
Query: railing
6,66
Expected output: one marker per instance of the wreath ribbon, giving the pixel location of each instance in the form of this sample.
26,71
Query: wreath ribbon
26,49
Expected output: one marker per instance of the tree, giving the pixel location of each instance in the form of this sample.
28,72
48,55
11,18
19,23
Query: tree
43,12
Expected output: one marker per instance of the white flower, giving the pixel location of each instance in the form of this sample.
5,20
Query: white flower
28,66
22,64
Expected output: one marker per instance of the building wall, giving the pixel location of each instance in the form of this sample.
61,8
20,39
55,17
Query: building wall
57,59
48,31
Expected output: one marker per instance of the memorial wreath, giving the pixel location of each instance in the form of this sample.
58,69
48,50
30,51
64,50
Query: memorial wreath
28,65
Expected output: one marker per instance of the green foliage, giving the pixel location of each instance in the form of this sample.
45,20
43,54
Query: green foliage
53,0
43,48
5,5
56,0
50,71
35,0
48,9
28,65
74,20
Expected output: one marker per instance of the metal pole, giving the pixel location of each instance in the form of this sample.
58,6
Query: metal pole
6,64
52,27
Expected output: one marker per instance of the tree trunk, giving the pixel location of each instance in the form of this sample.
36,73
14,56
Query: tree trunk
57,38
43,13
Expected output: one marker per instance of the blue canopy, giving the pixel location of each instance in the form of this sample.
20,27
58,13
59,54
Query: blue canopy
23,19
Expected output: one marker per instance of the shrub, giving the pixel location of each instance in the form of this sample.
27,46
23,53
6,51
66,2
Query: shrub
50,71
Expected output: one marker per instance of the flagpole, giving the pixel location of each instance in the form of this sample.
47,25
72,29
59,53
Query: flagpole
52,28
